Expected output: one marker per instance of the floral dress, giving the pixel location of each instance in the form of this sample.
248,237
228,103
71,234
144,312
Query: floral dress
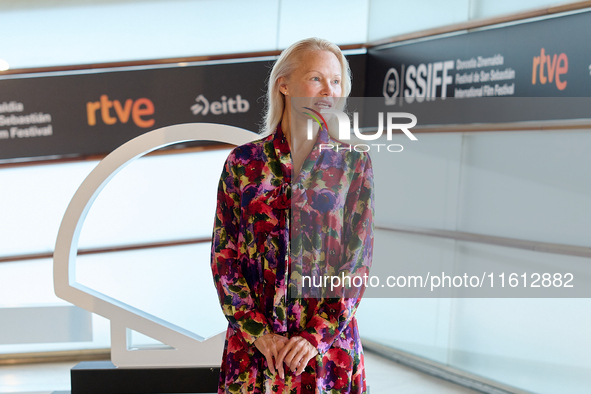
329,209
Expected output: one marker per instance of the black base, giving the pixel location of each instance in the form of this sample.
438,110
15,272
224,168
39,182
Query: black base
102,377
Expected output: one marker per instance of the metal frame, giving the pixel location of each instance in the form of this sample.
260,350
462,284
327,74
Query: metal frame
186,348
544,247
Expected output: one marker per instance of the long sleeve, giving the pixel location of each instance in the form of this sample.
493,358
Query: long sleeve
334,314
235,295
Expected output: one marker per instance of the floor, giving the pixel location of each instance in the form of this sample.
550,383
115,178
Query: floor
387,377
383,375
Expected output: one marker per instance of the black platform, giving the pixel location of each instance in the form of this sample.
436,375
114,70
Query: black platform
102,377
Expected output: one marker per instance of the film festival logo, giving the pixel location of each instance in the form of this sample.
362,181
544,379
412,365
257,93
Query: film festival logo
391,86
224,106
344,126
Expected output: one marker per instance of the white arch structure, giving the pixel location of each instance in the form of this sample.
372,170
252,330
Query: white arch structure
186,348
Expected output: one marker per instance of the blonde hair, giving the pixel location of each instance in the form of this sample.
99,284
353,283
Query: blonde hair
285,65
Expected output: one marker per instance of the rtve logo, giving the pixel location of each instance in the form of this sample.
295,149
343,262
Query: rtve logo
138,110
556,66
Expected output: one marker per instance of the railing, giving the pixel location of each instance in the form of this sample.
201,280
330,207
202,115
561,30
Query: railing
544,247
109,249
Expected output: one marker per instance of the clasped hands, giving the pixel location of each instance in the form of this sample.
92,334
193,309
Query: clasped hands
295,352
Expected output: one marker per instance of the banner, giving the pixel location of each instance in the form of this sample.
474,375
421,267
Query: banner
534,71
94,112
485,76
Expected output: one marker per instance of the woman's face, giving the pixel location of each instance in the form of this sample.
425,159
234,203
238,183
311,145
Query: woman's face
317,81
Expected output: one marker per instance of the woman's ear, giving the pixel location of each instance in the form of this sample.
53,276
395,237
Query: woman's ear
282,83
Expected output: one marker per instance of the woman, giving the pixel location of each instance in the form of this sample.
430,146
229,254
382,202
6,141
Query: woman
280,339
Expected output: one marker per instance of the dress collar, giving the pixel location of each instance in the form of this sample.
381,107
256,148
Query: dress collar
283,151
280,142
282,146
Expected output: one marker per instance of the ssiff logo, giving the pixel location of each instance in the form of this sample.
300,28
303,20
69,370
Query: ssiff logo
344,126
226,105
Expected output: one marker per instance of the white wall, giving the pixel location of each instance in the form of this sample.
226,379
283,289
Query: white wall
98,32
389,18
66,32
154,199
528,185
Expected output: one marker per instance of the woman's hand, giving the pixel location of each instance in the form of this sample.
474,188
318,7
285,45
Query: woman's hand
270,345
296,354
